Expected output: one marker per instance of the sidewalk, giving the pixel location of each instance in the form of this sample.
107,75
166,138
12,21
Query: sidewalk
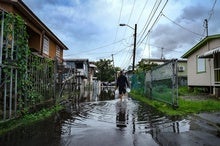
212,118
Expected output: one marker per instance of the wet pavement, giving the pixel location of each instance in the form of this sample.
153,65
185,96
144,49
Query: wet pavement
116,123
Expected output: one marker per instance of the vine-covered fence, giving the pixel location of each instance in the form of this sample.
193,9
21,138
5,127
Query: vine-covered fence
28,81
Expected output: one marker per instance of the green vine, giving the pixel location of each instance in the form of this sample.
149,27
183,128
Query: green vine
16,51
32,71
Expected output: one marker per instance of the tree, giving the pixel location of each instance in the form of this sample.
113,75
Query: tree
145,66
105,70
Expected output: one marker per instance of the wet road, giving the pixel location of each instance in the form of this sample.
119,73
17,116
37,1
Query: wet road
113,123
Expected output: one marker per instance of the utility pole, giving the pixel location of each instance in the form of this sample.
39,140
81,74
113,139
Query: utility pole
113,60
135,36
206,26
114,68
134,52
162,57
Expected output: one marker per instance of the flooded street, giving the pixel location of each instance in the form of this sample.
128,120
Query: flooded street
100,122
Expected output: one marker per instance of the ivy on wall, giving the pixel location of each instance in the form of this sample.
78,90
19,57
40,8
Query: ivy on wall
18,61
15,53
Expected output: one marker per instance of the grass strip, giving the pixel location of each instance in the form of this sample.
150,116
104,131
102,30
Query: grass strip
185,106
28,119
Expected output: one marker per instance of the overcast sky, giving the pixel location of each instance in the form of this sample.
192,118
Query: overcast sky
90,28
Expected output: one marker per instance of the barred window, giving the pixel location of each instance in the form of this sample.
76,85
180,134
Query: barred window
46,45
57,51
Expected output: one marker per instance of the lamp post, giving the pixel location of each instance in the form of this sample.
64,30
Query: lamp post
135,36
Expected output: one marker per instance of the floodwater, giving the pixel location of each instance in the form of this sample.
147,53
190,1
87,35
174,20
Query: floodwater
100,121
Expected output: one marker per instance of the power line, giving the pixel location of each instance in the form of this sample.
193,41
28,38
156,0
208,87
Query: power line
132,10
205,24
142,11
157,19
119,20
181,25
150,18
212,10
98,47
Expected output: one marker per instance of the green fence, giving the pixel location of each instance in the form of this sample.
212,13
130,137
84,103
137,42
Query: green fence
160,83
137,83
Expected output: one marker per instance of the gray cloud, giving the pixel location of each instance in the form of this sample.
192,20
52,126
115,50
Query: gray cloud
87,24
176,40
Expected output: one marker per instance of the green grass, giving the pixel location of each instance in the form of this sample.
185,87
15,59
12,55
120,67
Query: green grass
28,119
185,106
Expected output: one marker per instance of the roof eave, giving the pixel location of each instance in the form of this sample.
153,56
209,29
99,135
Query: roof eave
28,11
199,45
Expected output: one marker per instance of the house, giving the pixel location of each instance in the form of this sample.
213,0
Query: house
31,71
42,41
203,63
81,65
82,70
92,69
181,64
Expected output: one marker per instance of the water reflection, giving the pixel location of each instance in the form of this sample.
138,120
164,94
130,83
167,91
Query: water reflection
99,93
106,121
121,113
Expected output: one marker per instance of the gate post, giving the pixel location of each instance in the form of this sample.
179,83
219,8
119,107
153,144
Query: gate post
175,83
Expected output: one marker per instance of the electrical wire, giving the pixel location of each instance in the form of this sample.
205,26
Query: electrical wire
142,12
150,18
129,18
157,19
104,46
119,20
212,10
181,26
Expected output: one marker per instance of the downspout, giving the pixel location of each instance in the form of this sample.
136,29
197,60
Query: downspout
210,80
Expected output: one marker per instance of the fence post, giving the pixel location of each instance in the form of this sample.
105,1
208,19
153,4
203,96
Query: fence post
175,83
151,79
55,78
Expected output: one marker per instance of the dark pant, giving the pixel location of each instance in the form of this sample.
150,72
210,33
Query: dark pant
122,90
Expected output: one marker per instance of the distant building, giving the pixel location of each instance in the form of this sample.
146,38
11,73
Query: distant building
81,65
81,68
182,68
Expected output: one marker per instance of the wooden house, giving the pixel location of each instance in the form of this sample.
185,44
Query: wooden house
41,39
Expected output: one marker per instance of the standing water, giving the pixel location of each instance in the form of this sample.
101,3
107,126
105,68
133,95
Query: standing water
111,122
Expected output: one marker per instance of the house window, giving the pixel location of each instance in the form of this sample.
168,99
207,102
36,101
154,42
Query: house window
46,45
200,65
79,65
58,51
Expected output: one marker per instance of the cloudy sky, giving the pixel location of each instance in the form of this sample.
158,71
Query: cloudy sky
90,28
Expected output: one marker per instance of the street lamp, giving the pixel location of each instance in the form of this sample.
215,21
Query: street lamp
135,35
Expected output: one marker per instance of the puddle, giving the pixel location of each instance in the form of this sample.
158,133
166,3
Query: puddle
108,122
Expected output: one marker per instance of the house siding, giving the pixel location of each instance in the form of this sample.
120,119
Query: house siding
204,78
35,28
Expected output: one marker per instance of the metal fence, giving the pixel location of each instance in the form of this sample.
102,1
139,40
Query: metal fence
160,83
26,80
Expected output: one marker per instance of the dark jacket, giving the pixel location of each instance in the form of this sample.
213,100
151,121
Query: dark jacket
122,81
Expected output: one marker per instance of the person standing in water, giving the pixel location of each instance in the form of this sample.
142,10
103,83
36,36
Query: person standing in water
122,84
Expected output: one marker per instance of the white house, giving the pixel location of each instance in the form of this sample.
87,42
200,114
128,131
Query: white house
203,63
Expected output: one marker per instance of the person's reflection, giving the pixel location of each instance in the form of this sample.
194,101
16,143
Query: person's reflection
121,114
